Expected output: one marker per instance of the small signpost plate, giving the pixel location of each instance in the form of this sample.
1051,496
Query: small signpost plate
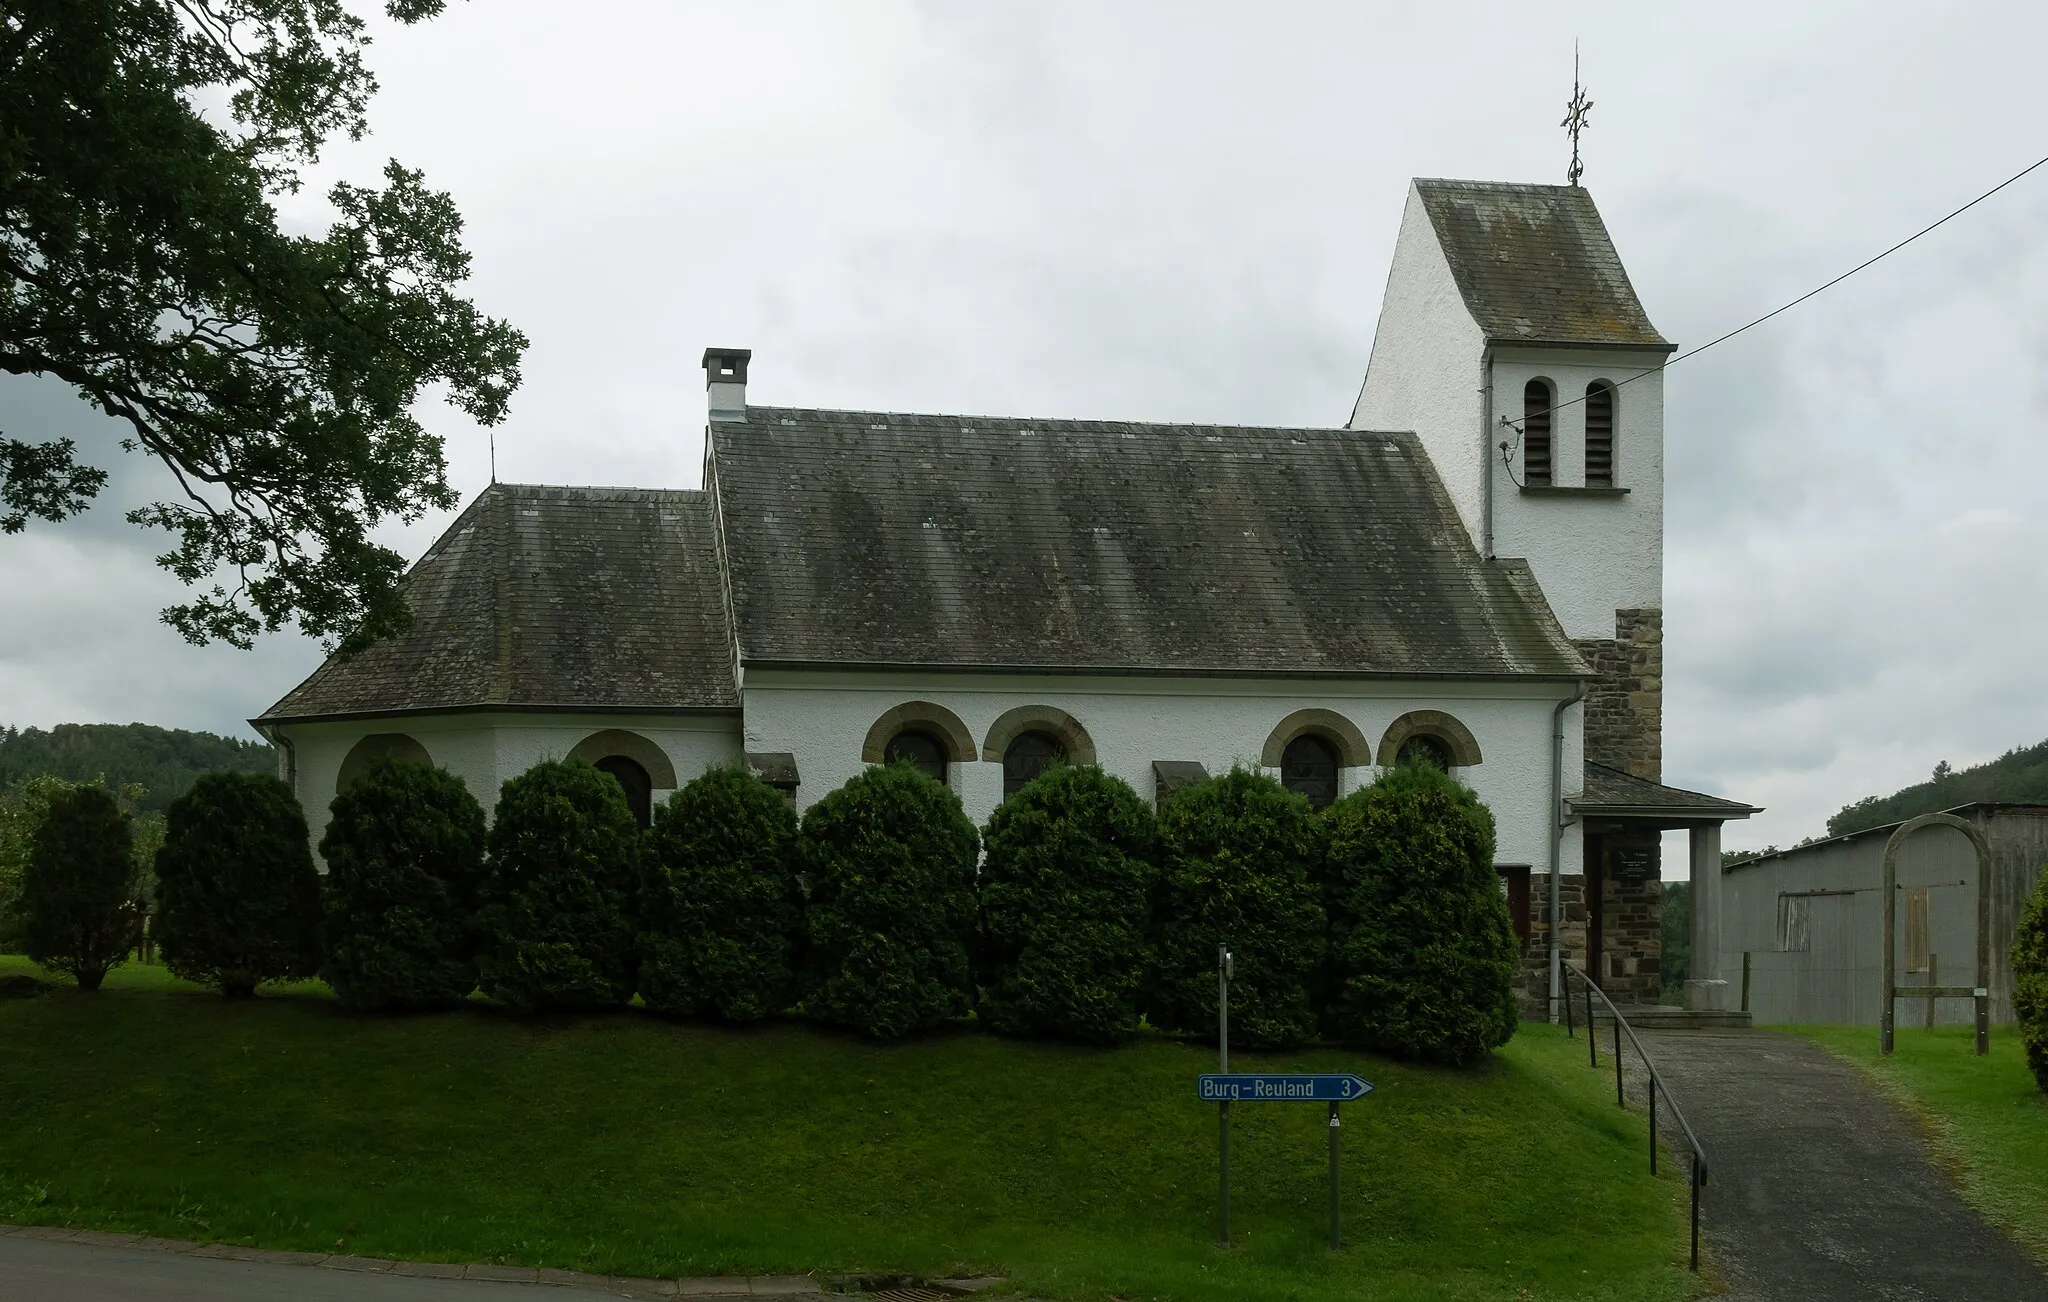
1259,1087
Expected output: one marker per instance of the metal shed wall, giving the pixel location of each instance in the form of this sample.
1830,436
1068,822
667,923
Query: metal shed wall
1835,978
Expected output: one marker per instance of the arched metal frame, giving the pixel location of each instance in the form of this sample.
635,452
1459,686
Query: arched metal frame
1073,738
1332,727
918,716
1315,775
1464,747
661,771
920,737
399,746
1980,994
1029,754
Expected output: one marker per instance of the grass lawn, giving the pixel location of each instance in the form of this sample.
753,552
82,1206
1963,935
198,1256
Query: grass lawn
1988,1119
627,1144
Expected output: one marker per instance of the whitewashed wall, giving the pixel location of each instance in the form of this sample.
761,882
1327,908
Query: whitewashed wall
1425,371
1592,555
486,749
823,718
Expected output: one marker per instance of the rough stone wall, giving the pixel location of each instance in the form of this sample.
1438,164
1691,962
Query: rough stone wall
1625,706
1571,894
1632,940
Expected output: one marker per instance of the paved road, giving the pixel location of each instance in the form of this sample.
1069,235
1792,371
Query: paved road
42,1270
1820,1188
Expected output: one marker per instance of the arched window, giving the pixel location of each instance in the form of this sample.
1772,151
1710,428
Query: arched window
633,780
1308,767
1599,435
1426,748
916,746
394,746
1029,755
1536,405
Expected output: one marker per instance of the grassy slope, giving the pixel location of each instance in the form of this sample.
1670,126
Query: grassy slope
1988,1119
627,1144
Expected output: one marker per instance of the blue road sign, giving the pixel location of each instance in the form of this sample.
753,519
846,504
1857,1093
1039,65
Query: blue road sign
1252,1087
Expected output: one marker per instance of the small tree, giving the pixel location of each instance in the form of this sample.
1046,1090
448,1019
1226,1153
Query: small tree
559,892
1241,859
722,914
405,856
1422,950
78,896
889,859
238,901
1066,899
2030,979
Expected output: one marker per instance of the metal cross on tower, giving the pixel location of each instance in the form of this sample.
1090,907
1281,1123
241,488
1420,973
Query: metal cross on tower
1575,119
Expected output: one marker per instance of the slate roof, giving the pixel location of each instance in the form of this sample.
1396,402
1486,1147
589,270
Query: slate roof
1534,264
858,538
1612,791
601,598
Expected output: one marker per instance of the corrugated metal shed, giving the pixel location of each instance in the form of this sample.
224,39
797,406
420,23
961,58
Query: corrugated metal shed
1812,919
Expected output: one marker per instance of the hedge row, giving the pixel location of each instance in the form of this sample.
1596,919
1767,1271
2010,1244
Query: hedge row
1377,922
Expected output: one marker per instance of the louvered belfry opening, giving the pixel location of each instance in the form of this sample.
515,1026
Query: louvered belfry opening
1599,435
1536,432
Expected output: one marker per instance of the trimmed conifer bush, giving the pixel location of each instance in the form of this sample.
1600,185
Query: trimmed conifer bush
79,910
1067,886
1422,951
2030,979
1241,859
238,901
722,914
405,859
890,924
560,891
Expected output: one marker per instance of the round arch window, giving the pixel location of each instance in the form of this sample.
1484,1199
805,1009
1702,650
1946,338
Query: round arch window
916,746
1426,749
1031,754
633,780
1308,767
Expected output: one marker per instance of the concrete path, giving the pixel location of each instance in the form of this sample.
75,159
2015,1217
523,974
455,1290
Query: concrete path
1820,1188
44,1265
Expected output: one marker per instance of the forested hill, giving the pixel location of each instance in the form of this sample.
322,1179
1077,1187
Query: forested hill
2015,777
163,760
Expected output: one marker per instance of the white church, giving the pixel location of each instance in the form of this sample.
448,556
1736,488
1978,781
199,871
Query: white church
1470,569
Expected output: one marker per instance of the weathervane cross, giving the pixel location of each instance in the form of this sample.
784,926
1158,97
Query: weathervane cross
1575,119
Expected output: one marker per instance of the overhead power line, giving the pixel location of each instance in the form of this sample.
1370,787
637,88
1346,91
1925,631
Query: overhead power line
1818,289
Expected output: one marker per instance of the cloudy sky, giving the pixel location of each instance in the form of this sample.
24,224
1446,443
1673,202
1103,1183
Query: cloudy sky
1181,211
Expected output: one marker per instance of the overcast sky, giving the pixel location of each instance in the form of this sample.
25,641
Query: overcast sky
1184,212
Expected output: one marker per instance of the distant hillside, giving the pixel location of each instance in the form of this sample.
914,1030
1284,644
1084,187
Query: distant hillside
2015,777
163,760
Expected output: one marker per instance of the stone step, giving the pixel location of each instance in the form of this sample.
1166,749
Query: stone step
1664,1017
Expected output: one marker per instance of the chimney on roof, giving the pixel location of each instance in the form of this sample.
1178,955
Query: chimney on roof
725,381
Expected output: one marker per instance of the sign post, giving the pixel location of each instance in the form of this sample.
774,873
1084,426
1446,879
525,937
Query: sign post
1334,1088
1336,1236
1222,1102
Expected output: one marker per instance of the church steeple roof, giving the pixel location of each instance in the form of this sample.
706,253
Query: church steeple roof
1535,266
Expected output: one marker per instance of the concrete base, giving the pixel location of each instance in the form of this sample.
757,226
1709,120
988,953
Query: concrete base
1706,996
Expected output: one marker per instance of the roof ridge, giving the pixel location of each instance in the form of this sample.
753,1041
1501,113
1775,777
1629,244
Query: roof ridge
1001,421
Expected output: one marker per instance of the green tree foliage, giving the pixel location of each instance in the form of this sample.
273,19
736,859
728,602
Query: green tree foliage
238,901
276,375
722,915
890,925
2019,776
1422,951
1241,858
560,891
78,903
2030,979
1675,938
23,805
1067,890
163,761
405,861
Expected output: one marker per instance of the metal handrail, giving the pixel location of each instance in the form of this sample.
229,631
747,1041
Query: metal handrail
1698,1177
